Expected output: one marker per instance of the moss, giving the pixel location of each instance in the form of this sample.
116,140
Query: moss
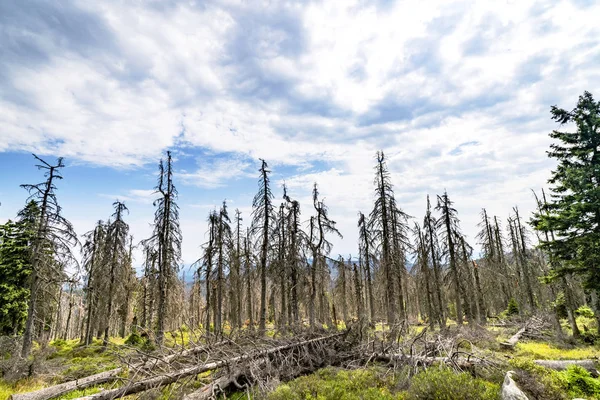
547,351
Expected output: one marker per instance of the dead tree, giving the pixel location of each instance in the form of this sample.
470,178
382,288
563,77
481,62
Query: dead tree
262,224
54,235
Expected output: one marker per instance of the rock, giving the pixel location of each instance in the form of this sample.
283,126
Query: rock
510,391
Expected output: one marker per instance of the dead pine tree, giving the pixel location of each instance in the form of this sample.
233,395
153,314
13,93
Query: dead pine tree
92,264
430,224
248,279
365,246
295,236
236,292
53,240
281,263
423,271
223,239
358,289
117,245
380,225
166,238
320,226
448,225
263,220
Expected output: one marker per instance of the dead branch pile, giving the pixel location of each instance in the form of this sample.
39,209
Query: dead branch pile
421,351
239,364
534,328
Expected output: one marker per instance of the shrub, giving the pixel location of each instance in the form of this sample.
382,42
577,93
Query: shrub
134,339
584,311
333,384
513,307
445,384
580,382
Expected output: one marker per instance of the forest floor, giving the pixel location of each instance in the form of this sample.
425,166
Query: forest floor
62,361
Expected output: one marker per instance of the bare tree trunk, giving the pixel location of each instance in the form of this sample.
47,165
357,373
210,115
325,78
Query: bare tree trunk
68,324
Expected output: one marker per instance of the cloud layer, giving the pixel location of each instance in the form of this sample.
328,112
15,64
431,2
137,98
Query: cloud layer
456,93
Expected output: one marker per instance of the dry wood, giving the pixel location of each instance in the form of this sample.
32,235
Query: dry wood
171,377
510,343
57,390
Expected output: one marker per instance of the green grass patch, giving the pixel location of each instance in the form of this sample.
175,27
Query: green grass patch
543,383
547,351
25,385
337,384
444,384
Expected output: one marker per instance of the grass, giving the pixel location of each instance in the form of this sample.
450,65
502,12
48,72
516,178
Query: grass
379,383
546,351
26,385
332,384
75,361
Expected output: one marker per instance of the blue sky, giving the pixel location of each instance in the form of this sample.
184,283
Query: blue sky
456,93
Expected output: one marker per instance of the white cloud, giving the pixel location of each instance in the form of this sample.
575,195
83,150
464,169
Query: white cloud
320,84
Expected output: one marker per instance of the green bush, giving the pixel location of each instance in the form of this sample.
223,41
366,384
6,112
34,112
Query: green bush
135,339
580,382
444,384
513,307
584,311
542,383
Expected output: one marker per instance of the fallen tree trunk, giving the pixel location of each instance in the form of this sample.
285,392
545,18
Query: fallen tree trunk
57,390
510,343
561,365
168,378
103,377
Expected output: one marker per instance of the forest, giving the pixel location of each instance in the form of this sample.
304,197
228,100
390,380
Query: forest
420,311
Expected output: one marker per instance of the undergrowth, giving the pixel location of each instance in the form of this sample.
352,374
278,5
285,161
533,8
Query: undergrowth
380,383
547,351
546,384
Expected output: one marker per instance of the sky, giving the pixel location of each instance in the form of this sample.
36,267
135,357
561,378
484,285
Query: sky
456,93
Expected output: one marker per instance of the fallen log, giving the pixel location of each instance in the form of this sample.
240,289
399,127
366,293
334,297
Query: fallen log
561,365
58,390
103,377
171,377
510,343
